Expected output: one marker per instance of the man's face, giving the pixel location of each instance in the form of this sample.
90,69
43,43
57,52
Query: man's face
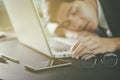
77,16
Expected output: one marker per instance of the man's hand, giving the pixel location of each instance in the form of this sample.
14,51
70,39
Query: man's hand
93,44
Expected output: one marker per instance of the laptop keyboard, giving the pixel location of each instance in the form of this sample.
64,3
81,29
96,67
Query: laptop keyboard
59,46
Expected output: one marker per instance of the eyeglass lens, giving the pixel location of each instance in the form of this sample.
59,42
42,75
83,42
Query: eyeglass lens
88,60
109,60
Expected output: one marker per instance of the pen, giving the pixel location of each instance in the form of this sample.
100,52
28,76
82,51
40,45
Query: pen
10,58
30,68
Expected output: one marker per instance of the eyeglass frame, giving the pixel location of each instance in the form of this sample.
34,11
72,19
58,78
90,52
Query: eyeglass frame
101,59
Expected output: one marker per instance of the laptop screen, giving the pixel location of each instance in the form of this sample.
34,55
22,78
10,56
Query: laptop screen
27,24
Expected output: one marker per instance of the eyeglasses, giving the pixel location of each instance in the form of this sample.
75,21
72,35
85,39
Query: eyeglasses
90,60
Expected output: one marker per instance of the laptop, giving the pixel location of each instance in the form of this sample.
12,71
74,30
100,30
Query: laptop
29,29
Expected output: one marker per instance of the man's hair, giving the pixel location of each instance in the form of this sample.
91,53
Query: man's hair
54,7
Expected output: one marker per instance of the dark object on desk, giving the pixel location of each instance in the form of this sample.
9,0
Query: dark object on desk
2,35
2,60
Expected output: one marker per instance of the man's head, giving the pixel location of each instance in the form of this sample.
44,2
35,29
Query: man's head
76,15
54,6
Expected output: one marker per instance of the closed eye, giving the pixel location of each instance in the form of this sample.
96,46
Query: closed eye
72,11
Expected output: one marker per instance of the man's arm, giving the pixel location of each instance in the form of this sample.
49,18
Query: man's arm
95,45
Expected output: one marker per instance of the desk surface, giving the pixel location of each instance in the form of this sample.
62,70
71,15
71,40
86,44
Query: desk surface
26,55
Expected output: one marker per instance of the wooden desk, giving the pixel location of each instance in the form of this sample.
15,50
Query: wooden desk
26,55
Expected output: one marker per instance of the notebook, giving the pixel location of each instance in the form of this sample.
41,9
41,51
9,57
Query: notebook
29,29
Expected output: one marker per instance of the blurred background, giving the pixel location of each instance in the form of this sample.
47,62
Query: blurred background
42,8
5,24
